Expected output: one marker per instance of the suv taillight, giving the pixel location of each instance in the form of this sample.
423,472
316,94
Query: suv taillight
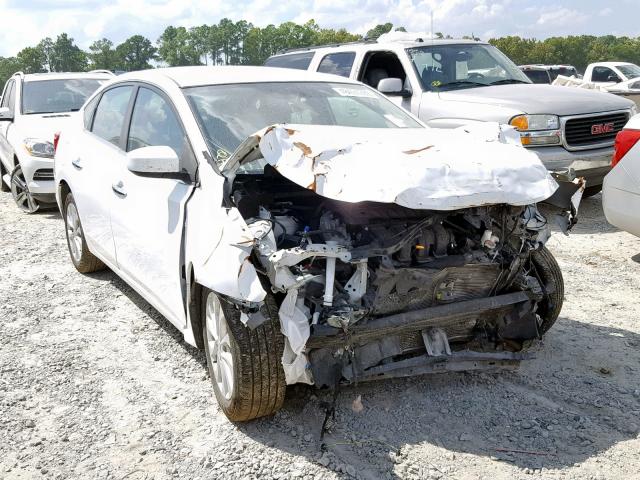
56,139
625,140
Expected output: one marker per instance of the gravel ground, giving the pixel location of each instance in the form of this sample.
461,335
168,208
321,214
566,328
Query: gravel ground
96,384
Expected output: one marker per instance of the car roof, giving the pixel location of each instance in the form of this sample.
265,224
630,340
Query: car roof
35,77
373,45
611,64
220,75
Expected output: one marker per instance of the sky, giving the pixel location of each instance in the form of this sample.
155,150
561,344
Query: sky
26,22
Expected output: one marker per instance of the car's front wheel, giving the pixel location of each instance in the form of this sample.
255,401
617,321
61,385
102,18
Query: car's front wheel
244,364
548,271
81,256
20,192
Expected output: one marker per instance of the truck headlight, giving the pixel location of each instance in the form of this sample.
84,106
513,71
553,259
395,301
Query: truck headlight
39,148
537,129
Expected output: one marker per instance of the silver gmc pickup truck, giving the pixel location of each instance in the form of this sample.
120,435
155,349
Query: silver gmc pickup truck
450,83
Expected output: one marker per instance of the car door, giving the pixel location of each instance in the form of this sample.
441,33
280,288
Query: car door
147,211
98,154
8,101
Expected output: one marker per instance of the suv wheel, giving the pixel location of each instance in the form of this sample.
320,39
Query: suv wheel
82,258
244,365
20,192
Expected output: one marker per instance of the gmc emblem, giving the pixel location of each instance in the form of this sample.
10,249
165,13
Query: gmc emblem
601,128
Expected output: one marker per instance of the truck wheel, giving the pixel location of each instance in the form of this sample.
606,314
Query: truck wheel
244,365
20,192
81,257
3,186
549,272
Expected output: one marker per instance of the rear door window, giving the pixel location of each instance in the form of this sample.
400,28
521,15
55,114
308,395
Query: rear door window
110,114
337,63
299,61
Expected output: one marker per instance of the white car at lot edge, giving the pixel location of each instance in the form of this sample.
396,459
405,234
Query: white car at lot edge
33,108
621,189
301,227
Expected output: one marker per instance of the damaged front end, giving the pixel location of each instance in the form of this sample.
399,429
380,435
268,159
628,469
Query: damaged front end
399,278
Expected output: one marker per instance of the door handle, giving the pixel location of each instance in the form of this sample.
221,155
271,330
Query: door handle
119,188
76,163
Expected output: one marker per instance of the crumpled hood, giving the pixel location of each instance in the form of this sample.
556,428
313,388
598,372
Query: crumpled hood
434,169
45,126
539,99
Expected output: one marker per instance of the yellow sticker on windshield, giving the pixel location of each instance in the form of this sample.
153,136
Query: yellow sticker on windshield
436,83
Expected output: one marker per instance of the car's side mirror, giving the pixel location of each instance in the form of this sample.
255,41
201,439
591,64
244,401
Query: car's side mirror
393,87
613,78
6,115
153,160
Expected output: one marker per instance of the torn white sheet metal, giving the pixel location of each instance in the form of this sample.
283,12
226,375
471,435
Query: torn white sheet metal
232,256
426,168
294,322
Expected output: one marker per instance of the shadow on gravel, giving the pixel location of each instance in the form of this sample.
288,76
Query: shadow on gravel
167,327
636,258
579,397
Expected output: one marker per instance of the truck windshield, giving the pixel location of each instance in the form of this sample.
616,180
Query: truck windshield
452,67
630,71
57,96
228,114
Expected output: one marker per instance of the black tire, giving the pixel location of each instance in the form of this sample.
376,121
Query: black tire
3,186
258,378
591,191
82,258
549,272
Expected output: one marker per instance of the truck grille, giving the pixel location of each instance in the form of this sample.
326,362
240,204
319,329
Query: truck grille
598,129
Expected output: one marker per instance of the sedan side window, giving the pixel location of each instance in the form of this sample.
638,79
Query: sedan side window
154,123
109,117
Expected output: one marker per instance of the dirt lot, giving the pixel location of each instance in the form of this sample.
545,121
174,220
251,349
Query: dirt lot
96,384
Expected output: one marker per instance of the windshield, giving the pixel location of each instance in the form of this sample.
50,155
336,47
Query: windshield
228,114
56,96
449,67
630,71
537,76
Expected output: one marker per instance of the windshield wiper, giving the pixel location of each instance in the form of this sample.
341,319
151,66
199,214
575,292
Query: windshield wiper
507,81
462,83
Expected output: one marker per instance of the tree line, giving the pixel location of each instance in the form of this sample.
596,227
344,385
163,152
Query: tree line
579,51
242,43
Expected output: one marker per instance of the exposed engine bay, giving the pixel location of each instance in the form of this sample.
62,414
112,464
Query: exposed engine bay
374,290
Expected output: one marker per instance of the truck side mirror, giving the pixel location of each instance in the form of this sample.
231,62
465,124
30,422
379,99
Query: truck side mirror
392,87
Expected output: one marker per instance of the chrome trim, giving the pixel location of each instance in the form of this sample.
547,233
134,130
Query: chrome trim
608,143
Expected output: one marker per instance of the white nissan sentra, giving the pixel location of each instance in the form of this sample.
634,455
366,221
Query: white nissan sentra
301,228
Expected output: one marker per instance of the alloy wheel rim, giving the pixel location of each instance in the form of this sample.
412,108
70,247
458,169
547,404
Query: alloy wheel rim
219,346
20,192
74,232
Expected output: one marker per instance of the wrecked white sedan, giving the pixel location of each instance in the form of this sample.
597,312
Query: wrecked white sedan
303,228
